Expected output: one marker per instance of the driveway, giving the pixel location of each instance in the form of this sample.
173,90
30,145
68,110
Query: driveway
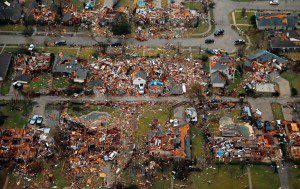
264,106
284,85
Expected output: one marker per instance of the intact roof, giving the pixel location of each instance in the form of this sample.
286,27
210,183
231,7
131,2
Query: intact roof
264,56
12,12
5,60
217,77
285,39
140,74
223,63
23,77
274,19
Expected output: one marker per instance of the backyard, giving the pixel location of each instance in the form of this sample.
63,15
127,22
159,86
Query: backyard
15,114
277,111
293,78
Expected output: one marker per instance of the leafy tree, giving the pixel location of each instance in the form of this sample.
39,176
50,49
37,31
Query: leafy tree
121,26
294,91
29,20
28,31
253,21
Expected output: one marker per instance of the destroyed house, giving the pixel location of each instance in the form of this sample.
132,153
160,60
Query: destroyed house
266,58
36,62
226,65
70,16
65,65
16,144
277,20
285,40
5,60
10,12
174,144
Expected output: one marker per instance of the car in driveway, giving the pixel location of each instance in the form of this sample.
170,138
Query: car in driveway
39,120
240,42
61,43
32,121
274,2
209,40
219,32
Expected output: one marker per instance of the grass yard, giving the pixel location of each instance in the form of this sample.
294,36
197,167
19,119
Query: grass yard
295,56
125,3
193,5
86,53
39,83
294,176
263,177
12,27
236,86
277,111
197,142
67,50
293,78
243,20
60,82
162,113
203,27
17,117
214,118
78,110
222,176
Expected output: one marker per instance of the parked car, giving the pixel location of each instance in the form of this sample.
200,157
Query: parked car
116,44
239,42
274,2
39,120
141,89
219,32
210,51
18,85
258,124
175,122
191,115
32,121
31,47
112,155
61,43
267,126
209,40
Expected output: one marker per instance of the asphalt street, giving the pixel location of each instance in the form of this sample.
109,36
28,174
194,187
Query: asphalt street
221,16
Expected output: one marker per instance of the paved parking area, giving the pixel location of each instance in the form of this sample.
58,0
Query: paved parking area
263,106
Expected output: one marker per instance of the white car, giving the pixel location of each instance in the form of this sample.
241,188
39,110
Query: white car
175,122
39,120
112,155
141,89
274,2
31,47
33,120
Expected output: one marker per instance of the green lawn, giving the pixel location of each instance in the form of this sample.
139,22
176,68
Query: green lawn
243,20
125,3
86,53
263,177
203,27
81,109
60,82
197,142
222,176
11,27
236,86
193,5
43,82
293,78
67,50
162,113
294,177
277,111
17,117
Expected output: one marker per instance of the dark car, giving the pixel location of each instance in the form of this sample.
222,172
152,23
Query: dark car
209,40
267,126
116,44
61,43
219,32
258,124
239,42
210,51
